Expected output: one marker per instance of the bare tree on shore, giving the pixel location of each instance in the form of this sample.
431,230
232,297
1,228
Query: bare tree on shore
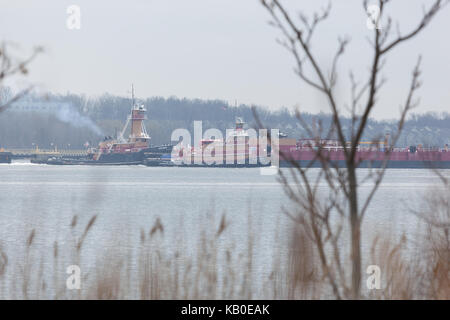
323,217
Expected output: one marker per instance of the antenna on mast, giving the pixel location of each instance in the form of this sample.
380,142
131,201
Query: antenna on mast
132,95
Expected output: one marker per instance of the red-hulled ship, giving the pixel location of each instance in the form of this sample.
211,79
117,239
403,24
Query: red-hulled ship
304,152
119,151
238,148
369,154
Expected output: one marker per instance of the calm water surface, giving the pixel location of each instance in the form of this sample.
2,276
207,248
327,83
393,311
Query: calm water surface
187,200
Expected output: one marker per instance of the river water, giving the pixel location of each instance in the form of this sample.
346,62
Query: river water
128,199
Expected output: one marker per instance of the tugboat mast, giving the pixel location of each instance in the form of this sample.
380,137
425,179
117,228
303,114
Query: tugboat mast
137,116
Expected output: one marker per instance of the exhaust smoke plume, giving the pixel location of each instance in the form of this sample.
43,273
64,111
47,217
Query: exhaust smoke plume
67,113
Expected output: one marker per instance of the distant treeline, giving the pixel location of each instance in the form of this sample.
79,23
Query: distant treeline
68,121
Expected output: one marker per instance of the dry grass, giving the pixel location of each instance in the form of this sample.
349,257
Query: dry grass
216,269
436,244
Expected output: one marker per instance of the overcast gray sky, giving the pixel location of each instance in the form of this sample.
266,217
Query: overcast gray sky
211,49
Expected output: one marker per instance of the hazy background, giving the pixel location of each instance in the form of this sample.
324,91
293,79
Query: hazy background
217,49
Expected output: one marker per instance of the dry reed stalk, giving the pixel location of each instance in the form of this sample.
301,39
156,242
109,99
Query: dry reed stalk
215,269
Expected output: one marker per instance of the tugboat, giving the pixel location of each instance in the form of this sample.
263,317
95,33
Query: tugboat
237,149
118,151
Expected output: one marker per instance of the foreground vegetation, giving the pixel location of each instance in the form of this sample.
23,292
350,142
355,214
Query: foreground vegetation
412,267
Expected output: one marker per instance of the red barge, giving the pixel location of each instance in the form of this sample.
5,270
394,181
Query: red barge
304,153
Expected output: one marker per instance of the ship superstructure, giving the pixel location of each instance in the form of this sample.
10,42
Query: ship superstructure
237,148
119,150
131,149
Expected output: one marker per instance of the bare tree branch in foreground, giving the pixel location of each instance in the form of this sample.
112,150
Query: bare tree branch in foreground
10,68
325,216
